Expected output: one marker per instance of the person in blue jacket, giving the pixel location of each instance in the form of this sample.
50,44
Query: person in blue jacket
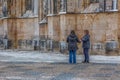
72,41
86,45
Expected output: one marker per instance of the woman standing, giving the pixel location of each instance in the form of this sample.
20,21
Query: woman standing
72,41
86,45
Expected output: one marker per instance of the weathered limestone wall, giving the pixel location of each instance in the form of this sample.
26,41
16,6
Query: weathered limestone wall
23,25
77,6
22,29
16,8
119,5
102,26
63,27
67,23
40,10
43,28
119,29
1,28
26,28
54,27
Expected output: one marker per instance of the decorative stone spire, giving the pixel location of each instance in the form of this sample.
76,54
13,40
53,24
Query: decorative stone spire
63,6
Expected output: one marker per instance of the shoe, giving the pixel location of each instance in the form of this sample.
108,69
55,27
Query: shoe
83,61
87,62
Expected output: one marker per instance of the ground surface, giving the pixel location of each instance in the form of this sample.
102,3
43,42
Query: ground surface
24,65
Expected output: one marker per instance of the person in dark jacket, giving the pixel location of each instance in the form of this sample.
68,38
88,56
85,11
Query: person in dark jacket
72,41
86,45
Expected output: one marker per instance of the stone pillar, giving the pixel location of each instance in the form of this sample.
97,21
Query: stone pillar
79,6
86,3
53,29
67,23
118,4
45,8
50,27
1,9
4,9
35,7
49,7
115,5
71,6
23,6
63,6
40,10
112,45
5,25
63,28
18,8
102,5
36,32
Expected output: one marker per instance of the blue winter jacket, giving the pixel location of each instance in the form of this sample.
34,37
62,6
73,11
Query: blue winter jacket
86,41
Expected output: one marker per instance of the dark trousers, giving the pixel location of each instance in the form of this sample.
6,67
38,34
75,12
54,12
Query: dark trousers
86,54
72,56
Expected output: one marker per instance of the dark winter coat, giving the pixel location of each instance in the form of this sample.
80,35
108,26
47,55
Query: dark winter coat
86,41
5,37
72,41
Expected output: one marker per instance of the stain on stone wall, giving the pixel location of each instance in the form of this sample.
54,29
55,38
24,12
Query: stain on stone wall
24,30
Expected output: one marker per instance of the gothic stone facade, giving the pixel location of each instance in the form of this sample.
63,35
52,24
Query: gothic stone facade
52,21
100,17
19,20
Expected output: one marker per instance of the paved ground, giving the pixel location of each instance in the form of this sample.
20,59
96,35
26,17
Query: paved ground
30,66
36,56
58,71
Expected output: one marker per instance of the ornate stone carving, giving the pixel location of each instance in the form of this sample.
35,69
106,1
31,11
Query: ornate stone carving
45,7
63,6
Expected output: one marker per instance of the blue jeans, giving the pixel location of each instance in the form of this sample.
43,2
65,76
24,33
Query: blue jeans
72,56
86,54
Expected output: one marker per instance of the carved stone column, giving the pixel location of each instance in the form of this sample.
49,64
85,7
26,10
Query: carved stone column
4,8
115,5
23,6
45,8
63,6
35,7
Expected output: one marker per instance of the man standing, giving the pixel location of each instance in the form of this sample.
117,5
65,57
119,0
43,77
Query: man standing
72,41
86,45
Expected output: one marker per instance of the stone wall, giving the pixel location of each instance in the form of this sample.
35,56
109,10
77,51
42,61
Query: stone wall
23,26
43,28
1,28
54,27
22,30
102,26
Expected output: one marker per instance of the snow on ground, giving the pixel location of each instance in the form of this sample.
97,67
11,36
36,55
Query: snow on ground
36,56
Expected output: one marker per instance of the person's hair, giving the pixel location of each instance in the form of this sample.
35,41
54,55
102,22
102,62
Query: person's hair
72,32
86,31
